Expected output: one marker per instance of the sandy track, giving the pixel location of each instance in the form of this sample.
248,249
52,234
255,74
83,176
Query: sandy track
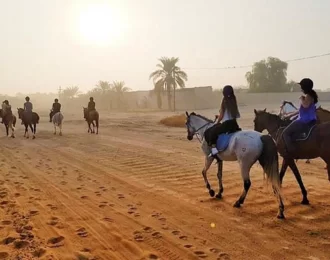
136,192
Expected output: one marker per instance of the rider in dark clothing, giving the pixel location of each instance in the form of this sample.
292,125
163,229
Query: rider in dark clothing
91,104
6,110
55,109
28,107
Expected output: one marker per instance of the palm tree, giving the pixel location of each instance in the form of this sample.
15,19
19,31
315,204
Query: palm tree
71,92
103,86
119,88
168,76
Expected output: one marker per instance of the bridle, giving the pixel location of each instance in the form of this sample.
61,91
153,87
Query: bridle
195,131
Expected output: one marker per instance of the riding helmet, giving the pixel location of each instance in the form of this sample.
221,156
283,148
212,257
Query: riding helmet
228,91
306,84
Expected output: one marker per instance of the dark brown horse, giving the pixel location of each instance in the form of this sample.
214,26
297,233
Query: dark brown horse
28,120
10,122
312,142
90,117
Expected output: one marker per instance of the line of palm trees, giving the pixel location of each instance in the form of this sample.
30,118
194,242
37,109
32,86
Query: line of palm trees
166,79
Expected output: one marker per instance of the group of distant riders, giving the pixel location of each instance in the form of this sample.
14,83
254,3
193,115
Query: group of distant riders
28,108
228,114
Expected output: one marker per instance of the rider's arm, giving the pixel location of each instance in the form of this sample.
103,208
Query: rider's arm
220,117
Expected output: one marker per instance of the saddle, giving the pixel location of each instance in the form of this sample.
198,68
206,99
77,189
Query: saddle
223,141
304,133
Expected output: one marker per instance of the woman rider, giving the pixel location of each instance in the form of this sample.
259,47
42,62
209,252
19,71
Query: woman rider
306,113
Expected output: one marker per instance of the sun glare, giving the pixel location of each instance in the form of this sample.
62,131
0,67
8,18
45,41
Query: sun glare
99,25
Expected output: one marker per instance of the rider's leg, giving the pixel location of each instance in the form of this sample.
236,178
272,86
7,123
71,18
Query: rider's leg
294,127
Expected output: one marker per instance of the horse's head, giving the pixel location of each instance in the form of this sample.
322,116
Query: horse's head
85,110
20,112
195,123
260,120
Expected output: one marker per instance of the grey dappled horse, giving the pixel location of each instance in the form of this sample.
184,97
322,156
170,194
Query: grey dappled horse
246,147
57,120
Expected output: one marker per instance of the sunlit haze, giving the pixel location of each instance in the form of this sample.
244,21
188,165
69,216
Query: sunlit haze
47,44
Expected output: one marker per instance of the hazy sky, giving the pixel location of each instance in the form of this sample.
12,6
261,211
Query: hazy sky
47,43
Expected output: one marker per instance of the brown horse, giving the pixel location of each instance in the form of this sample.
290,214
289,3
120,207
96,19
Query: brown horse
90,118
28,120
9,121
312,142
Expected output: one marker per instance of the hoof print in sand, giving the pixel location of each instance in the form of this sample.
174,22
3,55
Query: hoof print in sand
157,235
8,240
200,254
39,252
56,241
18,244
121,196
82,232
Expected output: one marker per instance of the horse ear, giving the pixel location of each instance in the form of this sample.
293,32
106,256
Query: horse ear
255,111
265,109
187,114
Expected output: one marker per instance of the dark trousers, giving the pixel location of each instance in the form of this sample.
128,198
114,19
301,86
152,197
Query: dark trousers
293,128
211,134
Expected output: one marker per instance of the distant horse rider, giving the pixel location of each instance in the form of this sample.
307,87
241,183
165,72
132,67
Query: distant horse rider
28,107
6,110
91,106
55,109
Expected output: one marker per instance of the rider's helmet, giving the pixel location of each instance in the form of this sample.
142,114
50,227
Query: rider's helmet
228,91
306,84
6,102
27,99
56,100
91,98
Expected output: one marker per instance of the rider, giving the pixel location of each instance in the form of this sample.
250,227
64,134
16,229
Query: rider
55,109
91,105
228,114
6,110
28,107
306,113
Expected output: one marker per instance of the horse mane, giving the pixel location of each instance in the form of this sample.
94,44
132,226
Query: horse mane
203,117
274,117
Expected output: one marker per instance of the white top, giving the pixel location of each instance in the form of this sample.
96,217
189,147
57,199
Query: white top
227,116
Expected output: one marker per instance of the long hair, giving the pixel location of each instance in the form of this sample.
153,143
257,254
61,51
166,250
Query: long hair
313,94
229,102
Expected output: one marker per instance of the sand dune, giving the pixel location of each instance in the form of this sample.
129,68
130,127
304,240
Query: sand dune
135,191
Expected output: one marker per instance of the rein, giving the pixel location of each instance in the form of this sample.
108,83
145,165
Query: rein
196,130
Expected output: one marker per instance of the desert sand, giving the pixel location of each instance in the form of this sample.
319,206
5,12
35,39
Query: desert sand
135,191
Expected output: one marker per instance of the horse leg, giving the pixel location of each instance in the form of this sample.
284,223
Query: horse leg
283,169
60,126
33,129
54,129
97,126
26,131
208,162
219,174
296,173
7,129
93,128
245,172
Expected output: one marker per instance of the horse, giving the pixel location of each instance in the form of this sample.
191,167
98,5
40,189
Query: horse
90,118
287,107
57,120
29,121
312,142
244,146
10,122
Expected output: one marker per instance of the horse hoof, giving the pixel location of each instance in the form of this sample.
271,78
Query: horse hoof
305,202
237,204
33,137
280,216
212,193
60,134
54,133
219,196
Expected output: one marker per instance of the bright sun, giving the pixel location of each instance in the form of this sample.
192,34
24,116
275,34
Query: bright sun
98,25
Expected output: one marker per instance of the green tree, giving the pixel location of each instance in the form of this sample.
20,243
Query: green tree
268,76
167,77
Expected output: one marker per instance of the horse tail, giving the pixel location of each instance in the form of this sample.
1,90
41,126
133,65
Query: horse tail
269,162
37,118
